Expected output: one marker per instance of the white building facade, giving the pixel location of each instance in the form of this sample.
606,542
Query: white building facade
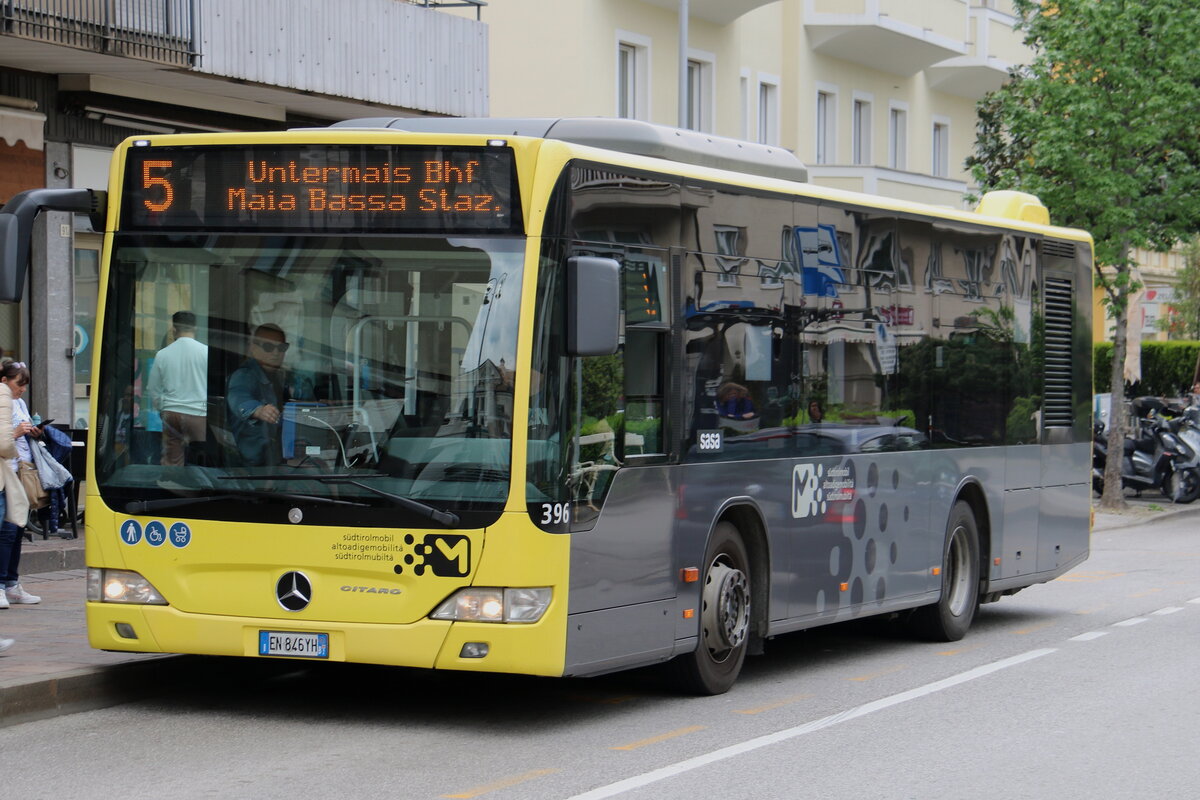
874,95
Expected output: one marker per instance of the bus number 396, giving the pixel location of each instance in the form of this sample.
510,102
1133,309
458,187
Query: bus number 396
555,514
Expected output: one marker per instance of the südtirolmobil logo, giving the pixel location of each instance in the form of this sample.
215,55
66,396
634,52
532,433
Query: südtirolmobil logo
808,498
445,555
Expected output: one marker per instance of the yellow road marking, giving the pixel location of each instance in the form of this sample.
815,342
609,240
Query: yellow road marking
959,650
1146,593
1033,628
503,783
1090,577
660,738
787,701
875,675
1083,611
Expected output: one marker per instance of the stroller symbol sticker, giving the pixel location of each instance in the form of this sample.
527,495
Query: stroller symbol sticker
180,534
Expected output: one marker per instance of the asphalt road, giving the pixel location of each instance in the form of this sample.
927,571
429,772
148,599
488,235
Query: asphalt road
1085,687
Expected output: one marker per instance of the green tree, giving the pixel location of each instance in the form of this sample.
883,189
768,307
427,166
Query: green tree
1102,126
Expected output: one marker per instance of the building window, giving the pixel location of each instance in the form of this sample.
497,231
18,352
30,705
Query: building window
627,81
898,139
632,76
699,94
768,113
941,149
826,130
744,97
861,132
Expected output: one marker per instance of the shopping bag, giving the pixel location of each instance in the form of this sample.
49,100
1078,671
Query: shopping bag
37,494
52,474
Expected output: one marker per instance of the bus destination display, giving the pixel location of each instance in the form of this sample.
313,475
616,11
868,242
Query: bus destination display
336,188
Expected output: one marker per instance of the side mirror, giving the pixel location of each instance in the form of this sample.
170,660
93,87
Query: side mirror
593,306
16,229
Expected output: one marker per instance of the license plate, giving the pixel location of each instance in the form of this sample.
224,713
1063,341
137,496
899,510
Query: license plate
296,645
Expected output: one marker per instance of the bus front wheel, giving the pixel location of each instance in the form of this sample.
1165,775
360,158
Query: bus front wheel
948,619
724,617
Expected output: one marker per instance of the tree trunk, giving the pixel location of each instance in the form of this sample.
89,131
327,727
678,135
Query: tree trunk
1113,498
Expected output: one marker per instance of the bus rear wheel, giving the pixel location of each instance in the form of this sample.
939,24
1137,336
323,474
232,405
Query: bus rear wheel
950,617
724,617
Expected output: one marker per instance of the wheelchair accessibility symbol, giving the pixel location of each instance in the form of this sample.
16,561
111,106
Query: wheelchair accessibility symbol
156,533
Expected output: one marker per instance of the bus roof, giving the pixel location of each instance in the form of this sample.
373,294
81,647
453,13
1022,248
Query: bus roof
623,135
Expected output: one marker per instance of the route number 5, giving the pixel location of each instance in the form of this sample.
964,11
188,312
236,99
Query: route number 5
150,181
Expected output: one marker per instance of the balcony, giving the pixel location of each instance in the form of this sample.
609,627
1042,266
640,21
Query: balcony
159,31
718,12
262,60
895,36
994,48
397,54
909,186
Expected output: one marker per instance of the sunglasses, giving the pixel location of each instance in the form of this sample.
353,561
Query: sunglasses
271,347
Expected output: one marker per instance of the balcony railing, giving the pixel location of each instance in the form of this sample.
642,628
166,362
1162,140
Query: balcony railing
162,31
477,4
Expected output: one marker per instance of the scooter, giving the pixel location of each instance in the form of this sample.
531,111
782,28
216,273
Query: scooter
1154,458
1184,483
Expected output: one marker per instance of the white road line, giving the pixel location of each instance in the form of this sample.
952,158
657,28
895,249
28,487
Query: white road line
1125,623
654,776
1162,612
1087,637
1194,600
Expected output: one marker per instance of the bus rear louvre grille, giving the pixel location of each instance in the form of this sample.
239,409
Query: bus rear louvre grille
1056,389
1060,249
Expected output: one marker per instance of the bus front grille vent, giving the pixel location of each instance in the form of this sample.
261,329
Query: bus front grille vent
1056,404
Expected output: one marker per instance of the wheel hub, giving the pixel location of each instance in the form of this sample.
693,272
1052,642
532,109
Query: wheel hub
726,615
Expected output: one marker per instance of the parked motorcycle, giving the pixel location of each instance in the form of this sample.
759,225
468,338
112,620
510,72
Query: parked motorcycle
1184,484
1154,457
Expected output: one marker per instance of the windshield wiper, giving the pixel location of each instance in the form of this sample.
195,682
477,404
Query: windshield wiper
146,506
447,519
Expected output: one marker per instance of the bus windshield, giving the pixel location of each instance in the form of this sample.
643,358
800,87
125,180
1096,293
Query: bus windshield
315,371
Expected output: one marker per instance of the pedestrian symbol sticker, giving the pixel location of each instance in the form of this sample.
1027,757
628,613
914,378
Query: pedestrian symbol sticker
131,531
156,533
180,534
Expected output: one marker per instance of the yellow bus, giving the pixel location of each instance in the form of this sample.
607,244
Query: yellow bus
562,397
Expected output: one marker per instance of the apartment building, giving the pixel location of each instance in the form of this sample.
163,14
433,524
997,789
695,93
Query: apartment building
874,95
78,76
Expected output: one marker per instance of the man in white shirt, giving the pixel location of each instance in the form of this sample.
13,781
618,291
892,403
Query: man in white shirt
178,389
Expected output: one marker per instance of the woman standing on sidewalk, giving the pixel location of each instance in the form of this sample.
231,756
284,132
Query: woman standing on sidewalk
15,423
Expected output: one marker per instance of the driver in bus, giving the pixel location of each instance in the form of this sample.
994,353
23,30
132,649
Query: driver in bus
258,391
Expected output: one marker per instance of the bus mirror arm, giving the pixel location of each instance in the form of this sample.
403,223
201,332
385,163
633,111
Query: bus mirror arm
16,229
593,306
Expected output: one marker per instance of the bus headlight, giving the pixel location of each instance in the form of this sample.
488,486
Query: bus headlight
121,586
495,605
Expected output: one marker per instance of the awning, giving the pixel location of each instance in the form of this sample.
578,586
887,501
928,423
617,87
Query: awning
22,126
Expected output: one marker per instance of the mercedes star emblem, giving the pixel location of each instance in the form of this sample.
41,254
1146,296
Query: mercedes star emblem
293,591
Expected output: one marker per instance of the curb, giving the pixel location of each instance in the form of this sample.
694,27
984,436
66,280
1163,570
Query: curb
1116,521
35,560
87,689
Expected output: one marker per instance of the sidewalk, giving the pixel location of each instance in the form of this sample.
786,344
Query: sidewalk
53,670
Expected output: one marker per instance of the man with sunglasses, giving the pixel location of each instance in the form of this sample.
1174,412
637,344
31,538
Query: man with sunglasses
257,393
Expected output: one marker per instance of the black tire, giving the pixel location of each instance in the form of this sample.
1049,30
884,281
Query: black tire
1182,487
950,617
725,619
